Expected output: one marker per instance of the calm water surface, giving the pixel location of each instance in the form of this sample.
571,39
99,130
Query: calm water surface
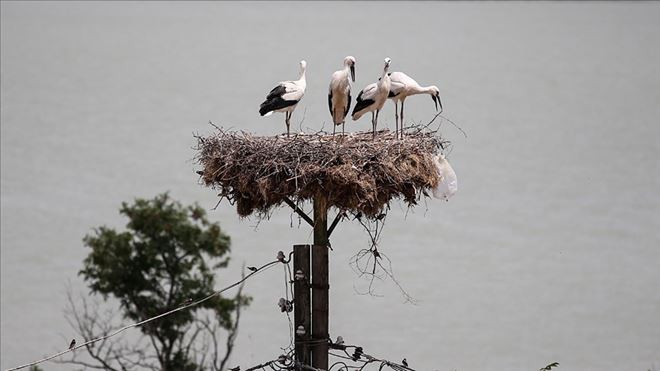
549,252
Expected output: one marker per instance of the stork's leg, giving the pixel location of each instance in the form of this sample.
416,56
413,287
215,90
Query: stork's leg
334,127
373,124
402,121
376,121
342,127
396,118
287,118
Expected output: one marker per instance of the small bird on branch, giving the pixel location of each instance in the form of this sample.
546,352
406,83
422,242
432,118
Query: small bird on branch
549,367
72,344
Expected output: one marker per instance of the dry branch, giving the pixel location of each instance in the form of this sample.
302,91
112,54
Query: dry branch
355,172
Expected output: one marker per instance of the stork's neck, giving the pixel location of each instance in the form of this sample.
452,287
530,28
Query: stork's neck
423,89
302,82
385,71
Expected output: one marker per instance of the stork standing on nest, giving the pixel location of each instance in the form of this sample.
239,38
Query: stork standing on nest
403,86
339,95
285,96
373,97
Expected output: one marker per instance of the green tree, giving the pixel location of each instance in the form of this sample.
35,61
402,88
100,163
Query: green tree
165,258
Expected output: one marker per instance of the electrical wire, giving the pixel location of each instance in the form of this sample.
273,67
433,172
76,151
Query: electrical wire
216,293
283,362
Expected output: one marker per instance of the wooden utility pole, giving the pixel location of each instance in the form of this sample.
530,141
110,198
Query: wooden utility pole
320,284
302,316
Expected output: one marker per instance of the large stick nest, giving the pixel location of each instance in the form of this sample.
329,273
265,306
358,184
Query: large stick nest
355,172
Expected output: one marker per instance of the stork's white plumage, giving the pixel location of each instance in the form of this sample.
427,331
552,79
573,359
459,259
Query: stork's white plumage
285,97
373,97
339,95
403,86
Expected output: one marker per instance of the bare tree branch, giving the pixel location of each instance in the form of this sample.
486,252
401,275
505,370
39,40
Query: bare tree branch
200,342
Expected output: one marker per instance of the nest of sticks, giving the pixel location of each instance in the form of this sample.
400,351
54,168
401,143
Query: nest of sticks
356,172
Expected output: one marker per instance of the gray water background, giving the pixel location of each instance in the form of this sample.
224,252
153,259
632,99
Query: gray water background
548,252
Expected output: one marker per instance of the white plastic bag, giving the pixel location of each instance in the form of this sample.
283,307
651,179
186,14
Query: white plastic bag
448,184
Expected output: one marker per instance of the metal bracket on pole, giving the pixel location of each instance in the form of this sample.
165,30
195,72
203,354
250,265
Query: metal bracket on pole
338,218
299,211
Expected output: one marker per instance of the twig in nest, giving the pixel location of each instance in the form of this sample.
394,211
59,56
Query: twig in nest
455,125
374,264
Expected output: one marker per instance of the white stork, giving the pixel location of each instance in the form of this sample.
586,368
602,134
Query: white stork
339,95
373,97
285,96
403,86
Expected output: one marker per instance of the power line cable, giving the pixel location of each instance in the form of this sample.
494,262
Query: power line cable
254,271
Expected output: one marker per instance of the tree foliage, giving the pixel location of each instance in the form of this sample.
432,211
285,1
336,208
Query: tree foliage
165,258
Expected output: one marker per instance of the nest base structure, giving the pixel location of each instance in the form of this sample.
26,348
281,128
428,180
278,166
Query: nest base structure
354,172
